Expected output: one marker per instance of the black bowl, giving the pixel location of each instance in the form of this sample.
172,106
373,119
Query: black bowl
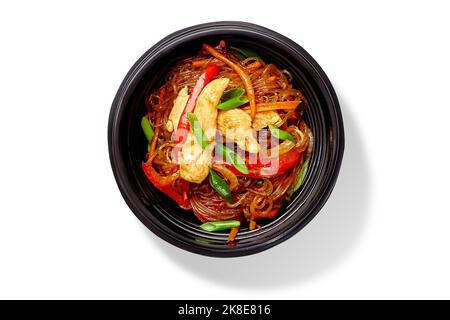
127,143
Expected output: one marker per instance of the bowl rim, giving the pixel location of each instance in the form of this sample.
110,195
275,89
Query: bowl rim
127,194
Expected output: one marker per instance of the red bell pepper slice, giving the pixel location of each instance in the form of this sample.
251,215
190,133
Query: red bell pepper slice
165,184
264,167
210,72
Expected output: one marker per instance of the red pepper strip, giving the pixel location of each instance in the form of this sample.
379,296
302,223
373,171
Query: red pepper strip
265,168
211,71
165,184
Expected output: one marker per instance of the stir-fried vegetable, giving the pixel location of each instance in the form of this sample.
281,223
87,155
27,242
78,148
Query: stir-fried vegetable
300,176
233,98
147,128
197,129
220,225
207,75
243,53
220,186
280,134
232,157
242,74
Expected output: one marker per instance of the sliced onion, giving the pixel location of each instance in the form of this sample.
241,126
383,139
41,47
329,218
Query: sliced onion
249,60
237,203
287,74
228,175
269,204
282,148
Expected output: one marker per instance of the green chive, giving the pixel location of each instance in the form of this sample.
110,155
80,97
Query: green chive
238,55
236,92
148,129
300,176
243,53
197,129
220,186
280,134
232,98
232,158
220,225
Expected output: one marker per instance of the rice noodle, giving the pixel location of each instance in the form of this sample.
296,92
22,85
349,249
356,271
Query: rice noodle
208,206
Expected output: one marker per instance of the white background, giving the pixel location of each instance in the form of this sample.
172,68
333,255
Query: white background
65,231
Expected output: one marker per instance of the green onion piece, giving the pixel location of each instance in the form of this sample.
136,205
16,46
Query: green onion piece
280,134
238,55
260,182
244,53
232,103
300,176
220,225
236,92
232,157
148,129
220,186
232,98
197,129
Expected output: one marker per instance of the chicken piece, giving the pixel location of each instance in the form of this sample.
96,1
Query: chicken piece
205,108
178,106
194,161
236,124
263,119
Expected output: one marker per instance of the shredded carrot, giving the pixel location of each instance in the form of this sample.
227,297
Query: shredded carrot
254,66
242,74
252,225
269,106
200,63
233,234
